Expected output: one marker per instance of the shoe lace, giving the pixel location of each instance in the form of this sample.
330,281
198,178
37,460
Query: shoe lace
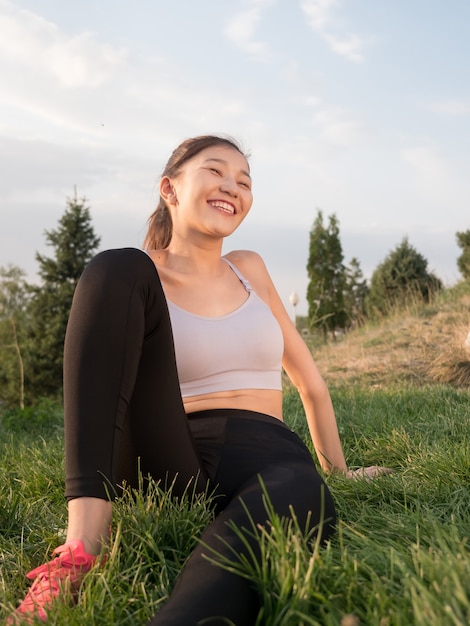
66,568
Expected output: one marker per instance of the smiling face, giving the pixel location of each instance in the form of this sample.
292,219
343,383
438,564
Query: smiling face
211,195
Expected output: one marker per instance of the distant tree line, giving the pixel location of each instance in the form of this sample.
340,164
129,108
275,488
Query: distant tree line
338,296
33,318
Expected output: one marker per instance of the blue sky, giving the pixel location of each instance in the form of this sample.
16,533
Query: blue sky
356,107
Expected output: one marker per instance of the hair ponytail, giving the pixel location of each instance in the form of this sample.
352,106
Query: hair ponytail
160,228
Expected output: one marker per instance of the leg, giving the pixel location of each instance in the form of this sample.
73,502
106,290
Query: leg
121,402
121,390
251,450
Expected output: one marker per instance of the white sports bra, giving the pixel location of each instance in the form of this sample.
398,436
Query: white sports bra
240,350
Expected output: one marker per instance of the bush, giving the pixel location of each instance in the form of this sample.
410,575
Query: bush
43,420
400,278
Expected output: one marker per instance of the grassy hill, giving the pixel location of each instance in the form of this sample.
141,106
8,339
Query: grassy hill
401,556
423,344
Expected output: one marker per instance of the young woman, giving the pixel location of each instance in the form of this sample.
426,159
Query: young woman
172,364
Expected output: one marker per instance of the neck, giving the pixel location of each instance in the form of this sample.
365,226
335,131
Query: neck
190,257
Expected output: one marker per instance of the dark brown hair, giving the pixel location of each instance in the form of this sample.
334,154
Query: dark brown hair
160,226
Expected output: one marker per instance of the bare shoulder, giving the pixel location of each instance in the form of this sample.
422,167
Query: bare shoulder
246,259
252,266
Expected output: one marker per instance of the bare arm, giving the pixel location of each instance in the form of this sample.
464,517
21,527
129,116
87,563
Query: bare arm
299,366
303,372
304,375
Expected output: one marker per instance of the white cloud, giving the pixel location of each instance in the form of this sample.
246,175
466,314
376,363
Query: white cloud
453,108
78,109
319,14
36,44
426,162
241,30
308,101
58,87
436,179
337,127
349,46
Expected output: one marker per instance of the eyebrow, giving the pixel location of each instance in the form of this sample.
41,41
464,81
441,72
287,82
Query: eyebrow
225,163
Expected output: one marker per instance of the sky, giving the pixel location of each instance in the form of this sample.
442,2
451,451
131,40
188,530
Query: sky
357,108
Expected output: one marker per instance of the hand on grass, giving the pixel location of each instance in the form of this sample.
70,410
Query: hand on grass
368,473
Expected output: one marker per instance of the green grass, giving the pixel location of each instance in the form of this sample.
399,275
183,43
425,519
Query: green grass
401,556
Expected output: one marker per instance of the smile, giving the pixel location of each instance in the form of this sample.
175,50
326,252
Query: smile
224,206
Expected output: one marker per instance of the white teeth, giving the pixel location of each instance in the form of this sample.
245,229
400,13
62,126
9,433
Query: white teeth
224,206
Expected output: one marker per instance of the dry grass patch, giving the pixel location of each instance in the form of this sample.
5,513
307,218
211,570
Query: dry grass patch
451,361
419,345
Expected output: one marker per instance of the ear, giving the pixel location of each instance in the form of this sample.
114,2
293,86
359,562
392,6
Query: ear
167,191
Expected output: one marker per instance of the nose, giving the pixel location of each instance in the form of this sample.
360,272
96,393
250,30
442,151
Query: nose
229,186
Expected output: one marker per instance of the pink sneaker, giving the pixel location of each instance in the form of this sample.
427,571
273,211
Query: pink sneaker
63,574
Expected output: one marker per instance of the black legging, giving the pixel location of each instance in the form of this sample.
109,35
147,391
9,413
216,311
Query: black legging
123,407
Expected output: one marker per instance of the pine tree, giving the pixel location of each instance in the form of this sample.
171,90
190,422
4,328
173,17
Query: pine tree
326,273
74,243
355,294
401,277
463,262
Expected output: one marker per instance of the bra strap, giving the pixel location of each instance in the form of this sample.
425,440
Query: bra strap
245,282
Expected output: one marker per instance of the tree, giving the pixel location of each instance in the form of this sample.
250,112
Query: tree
326,273
400,278
356,291
74,243
463,262
14,297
